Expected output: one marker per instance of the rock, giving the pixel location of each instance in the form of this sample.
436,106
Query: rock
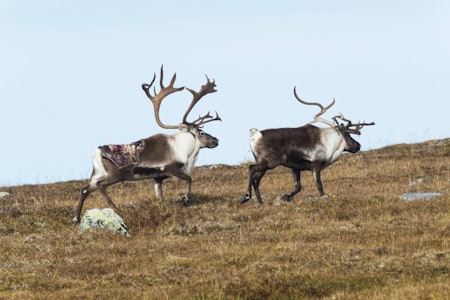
105,218
415,196
418,181
3,194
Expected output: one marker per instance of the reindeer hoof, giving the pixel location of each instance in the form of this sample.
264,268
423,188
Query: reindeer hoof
75,221
184,200
286,198
245,198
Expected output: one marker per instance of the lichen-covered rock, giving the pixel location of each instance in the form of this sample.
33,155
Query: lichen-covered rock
105,218
415,196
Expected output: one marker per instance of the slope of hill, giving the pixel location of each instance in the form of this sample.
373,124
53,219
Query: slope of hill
362,241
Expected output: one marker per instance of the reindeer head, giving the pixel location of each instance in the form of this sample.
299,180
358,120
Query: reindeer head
350,128
193,127
351,145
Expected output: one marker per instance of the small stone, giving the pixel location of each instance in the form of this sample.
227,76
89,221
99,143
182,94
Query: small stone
415,196
418,181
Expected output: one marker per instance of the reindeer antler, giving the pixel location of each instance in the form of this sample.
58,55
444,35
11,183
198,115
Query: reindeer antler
317,117
348,128
205,119
207,88
159,97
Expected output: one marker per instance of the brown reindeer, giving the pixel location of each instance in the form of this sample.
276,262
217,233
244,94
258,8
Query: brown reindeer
303,148
158,157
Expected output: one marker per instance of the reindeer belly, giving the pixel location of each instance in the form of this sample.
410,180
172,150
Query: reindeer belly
301,159
144,172
298,164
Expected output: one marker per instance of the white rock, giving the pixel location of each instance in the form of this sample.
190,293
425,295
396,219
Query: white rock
105,218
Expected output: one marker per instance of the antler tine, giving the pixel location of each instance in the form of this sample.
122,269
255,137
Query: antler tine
202,118
146,87
172,81
159,97
317,117
206,119
357,126
341,116
349,124
207,88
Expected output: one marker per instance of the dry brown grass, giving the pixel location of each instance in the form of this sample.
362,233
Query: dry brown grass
361,242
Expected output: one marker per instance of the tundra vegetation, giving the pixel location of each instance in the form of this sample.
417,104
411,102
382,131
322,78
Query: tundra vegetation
362,242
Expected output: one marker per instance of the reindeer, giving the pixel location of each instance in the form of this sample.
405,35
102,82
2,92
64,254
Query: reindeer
303,148
159,156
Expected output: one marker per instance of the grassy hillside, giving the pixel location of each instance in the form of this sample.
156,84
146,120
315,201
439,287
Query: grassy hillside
360,242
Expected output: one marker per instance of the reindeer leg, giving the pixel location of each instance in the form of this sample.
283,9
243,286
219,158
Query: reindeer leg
316,173
256,172
185,198
92,186
158,188
175,171
102,190
99,173
84,193
298,185
188,179
256,182
248,195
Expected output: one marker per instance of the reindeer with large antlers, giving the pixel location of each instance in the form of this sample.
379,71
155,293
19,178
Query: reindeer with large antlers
302,148
158,157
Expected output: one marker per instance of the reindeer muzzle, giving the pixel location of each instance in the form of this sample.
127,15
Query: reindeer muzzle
214,143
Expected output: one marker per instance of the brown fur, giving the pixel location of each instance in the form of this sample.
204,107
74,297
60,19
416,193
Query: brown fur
299,149
156,161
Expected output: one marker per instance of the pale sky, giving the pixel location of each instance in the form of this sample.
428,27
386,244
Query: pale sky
71,74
